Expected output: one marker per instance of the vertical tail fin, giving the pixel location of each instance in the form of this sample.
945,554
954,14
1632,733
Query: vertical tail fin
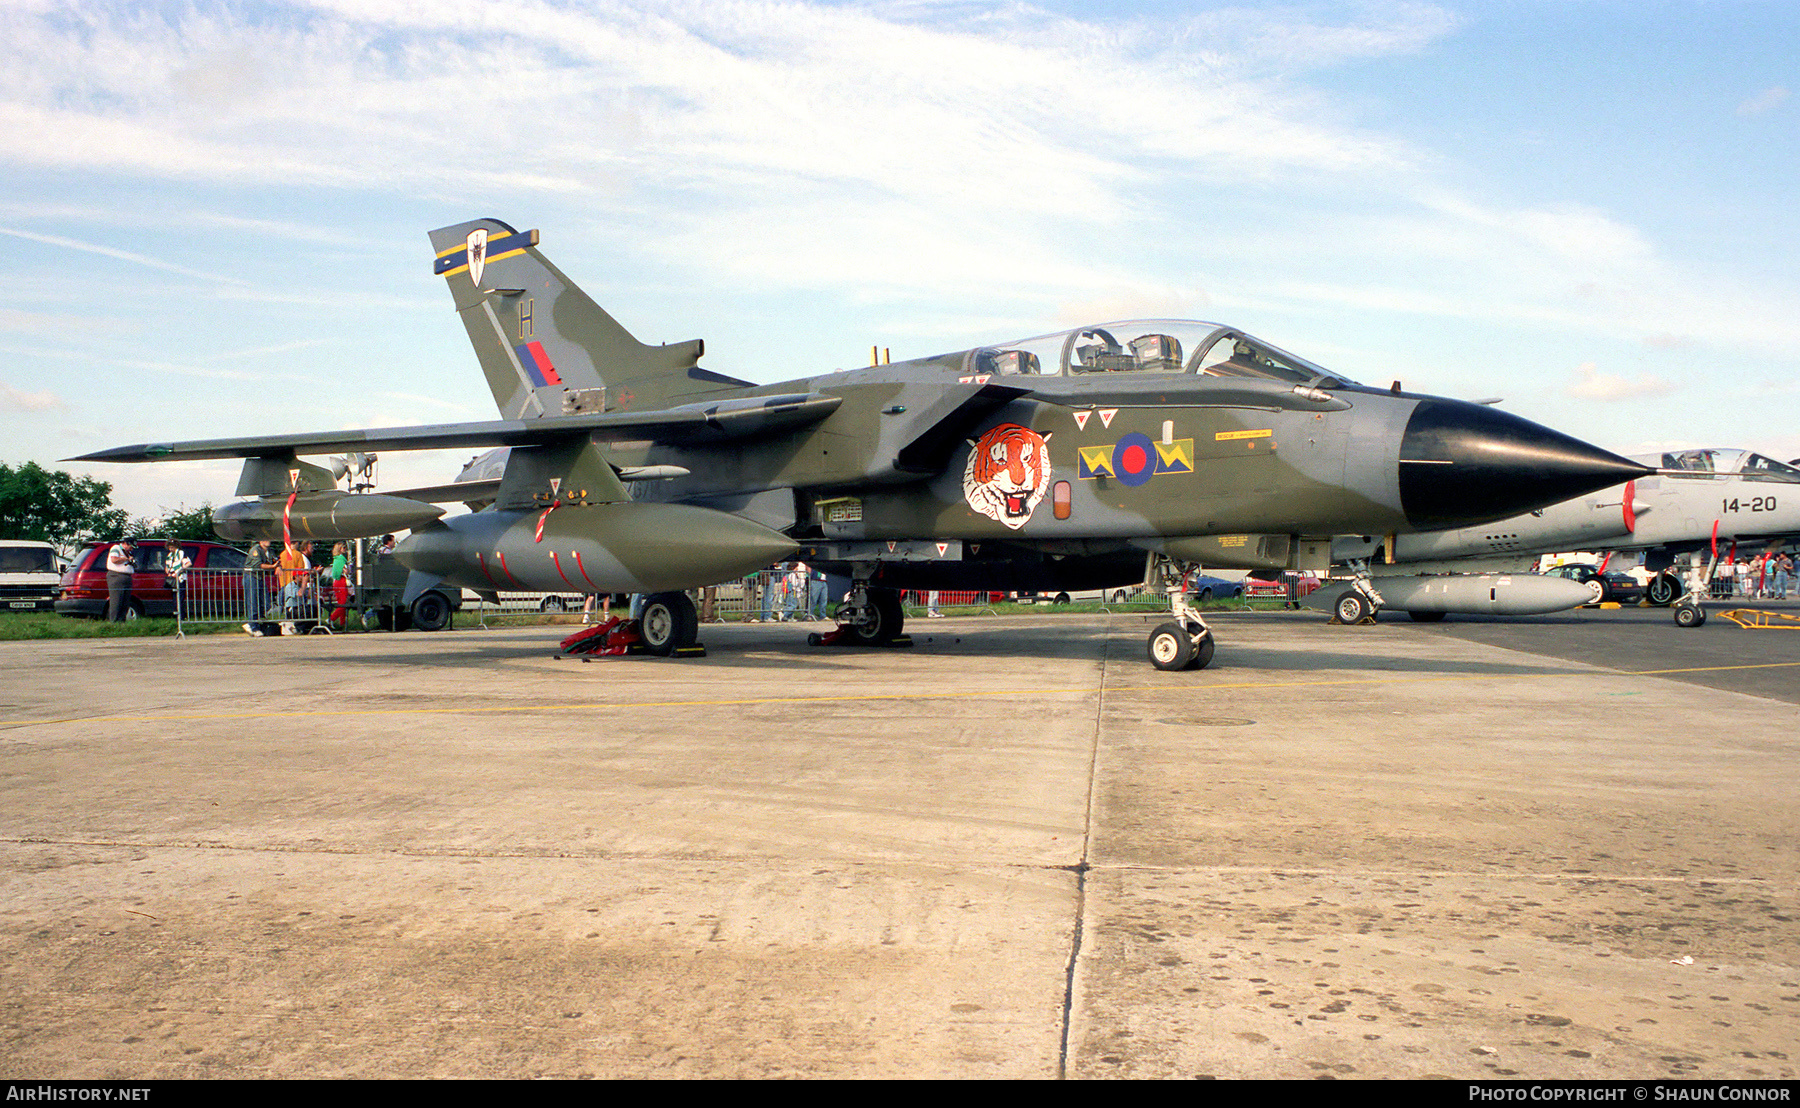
544,345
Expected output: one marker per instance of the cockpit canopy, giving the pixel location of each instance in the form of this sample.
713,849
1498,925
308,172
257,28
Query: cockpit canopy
1753,467
1148,346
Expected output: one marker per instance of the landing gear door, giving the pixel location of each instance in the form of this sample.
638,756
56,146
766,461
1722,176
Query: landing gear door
1312,554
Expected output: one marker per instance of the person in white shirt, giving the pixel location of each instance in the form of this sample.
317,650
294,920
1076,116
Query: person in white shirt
176,564
121,561
798,579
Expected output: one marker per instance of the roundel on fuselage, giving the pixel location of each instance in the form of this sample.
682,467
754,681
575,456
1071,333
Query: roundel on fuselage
1134,459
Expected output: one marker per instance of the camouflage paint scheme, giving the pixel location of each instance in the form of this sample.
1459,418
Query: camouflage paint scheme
1062,461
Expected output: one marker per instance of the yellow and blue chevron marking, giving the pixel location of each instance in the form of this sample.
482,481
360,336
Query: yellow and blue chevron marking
456,259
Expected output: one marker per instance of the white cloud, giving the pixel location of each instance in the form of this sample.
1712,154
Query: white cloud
415,402
1454,257
263,351
1567,234
727,107
151,491
1766,100
58,324
1610,387
18,400
108,251
1133,302
1290,36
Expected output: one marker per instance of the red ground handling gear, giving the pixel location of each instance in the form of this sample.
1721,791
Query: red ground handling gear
614,636
619,636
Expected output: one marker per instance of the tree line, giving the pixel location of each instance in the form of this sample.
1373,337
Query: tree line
49,505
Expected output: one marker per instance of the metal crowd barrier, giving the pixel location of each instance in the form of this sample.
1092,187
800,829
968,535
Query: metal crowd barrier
766,596
918,601
271,601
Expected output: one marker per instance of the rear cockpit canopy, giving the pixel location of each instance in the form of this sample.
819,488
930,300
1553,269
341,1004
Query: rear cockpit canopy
1147,346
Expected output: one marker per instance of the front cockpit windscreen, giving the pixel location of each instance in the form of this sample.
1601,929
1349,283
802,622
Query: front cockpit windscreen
1699,463
1148,346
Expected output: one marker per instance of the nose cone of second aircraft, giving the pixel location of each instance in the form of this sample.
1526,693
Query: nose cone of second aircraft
1463,464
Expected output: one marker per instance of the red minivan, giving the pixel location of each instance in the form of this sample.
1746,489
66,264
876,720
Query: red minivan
83,589
1307,584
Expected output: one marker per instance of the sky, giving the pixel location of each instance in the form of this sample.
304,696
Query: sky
213,216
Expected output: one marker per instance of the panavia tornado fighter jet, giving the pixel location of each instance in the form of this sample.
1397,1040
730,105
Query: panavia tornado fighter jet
1091,458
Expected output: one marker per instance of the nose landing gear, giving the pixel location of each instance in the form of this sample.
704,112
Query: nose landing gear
1687,607
1186,642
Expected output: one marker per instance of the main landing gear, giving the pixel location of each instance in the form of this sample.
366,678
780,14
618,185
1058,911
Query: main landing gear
1360,604
669,622
867,617
1186,642
669,626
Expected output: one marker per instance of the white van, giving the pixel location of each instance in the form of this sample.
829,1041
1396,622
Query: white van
29,575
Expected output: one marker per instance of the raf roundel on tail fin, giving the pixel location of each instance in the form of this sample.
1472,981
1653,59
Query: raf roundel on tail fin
545,347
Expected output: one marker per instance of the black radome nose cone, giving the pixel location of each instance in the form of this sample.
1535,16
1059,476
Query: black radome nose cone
1462,464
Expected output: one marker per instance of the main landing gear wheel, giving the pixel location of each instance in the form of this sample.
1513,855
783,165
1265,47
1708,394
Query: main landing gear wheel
1689,615
1352,607
880,619
669,623
1663,590
432,612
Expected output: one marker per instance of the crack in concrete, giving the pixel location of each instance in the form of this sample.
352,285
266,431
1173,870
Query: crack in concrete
1080,869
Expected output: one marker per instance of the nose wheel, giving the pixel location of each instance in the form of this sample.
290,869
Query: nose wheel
1687,608
1186,642
1174,646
